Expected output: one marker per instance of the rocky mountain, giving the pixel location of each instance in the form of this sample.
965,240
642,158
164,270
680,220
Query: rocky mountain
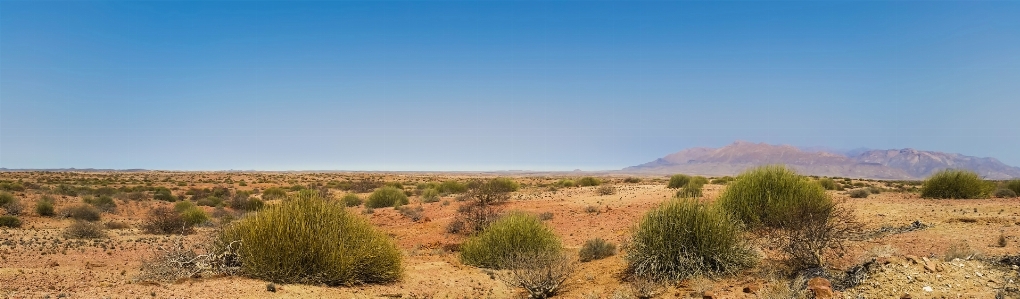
878,164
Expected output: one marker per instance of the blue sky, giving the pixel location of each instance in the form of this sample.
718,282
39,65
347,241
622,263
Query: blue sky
490,85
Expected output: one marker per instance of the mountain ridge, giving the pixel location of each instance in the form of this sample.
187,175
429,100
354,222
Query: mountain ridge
900,164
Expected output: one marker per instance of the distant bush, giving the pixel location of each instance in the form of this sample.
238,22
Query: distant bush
589,181
596,249
103,203
631,180
700,180
6,198
677,181
84,230
565,183
606,190
859,193
351,200
245,203
828,184
44,207
211,201
164,220
430,195
516,233
310,240
273,193
452,187
874,190
955,184
163,194
495,190
1005,193
723,180
545,216
12,186
82,212
684,238
10,221
387,197
769,196
1013,185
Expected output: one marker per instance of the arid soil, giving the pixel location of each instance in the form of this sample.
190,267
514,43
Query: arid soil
952,256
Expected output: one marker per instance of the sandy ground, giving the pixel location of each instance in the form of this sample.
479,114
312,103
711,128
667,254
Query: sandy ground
36,261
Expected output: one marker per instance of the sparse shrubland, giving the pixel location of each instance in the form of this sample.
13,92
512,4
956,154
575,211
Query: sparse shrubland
683,238
310,240
955,184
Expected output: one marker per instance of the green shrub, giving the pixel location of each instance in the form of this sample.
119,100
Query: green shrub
10,203
691,190
388,196
430,195
103,203
44,207
859,193
828,184
684,238
874,190
180,207
6,198
194,216
311,240
452,187
589,181
273,193
955,184
677,181
1005,193
164,194
1013,185
211,201
351,200
769,196
82,212
566,183
84,230
723,180
494,191
244,203
596,249
10,221
516,233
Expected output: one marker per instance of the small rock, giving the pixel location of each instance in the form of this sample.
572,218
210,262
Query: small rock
906,296
928,289
821,287
709,295
752,288
271,287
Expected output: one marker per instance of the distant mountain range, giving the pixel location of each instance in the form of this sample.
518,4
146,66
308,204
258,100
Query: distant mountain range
904,164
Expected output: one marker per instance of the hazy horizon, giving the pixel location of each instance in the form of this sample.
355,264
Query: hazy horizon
495,85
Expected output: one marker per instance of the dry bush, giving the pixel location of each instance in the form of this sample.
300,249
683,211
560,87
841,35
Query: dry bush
103,203
10,221
165,221
606,190
10,204
176,261
596,249
116,225
415,213
810,233
84,230
44,207
859,193
494,191
1004,193
82,212
542,274
960,250
429,195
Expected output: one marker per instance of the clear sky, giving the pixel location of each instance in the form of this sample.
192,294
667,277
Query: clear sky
492,85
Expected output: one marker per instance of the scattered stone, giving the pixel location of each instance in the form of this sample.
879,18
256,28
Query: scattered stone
928,289
271,287
821,288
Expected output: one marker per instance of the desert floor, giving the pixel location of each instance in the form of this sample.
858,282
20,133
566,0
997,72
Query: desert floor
37,261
